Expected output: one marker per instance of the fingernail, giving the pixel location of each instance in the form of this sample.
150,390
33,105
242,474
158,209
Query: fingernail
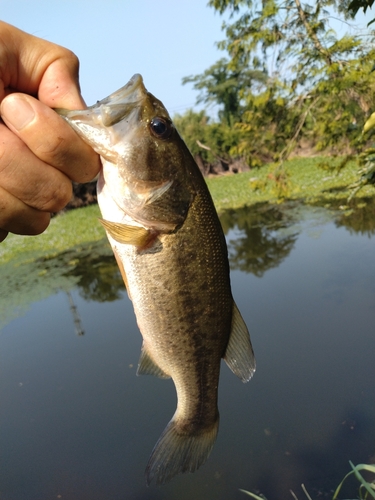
16,111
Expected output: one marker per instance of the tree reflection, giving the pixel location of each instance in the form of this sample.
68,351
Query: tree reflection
261,242
99,278
362,219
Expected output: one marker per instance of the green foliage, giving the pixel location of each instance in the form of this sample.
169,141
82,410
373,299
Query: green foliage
208,139
366,489
355,5
366,161
288,77
221,85
65,231
305,181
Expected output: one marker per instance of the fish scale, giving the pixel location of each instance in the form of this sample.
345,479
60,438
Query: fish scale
168,242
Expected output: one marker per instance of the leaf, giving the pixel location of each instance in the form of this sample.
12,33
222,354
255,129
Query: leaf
355,470
370,123
253,495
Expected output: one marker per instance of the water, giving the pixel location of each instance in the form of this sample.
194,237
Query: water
76,423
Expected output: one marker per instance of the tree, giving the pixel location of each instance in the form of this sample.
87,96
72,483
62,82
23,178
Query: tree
307,81
355,5
209,141
221,85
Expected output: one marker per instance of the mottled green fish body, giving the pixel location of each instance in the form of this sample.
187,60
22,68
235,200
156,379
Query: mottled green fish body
170,248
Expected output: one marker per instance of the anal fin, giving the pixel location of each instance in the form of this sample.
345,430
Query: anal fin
239,354
147,366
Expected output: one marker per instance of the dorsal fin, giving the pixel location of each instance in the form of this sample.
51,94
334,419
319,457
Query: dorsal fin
239,354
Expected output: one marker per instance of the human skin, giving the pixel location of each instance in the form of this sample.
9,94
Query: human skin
39,152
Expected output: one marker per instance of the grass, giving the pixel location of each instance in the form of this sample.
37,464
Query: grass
315,181
65,231
366,489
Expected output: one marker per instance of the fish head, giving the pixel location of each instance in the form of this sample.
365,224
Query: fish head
146,165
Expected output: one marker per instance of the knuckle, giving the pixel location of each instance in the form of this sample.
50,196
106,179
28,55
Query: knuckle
87,169
8,155
39,225
19,218
53,198
65,57
52,149
72,60
3,235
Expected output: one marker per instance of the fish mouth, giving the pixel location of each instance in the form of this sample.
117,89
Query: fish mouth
111,109
133,91
120,104
97,124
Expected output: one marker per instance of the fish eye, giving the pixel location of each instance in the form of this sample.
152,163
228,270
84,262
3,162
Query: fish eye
160,128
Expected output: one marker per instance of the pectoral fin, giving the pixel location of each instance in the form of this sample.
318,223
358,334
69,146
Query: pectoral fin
130,235
239,355
147,366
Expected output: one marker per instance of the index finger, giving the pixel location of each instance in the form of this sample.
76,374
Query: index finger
34,66
49,137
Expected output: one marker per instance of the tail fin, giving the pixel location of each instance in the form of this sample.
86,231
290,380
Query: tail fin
176,453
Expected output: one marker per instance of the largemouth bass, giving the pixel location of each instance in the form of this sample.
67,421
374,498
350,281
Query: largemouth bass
171,251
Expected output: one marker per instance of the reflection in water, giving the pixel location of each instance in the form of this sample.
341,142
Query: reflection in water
259,243
75,421
76,316
97,274
264,235
361,220
90,268
259,239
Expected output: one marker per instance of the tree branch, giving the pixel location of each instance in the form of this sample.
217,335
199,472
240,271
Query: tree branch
311,33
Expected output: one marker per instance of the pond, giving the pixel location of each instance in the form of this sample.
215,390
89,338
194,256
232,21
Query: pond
77,423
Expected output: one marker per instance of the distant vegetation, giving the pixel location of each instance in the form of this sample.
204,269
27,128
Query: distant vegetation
314,181
296,78
288,85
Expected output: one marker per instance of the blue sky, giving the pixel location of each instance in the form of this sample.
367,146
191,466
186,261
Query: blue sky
163,40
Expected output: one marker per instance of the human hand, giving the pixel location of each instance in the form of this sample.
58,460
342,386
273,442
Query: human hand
39,152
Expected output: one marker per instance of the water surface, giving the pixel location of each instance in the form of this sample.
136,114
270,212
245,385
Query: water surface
76,423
